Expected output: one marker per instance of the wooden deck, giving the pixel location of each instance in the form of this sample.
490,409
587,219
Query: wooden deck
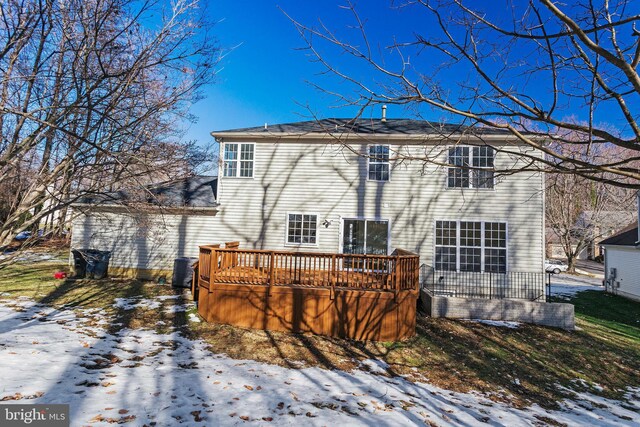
351,296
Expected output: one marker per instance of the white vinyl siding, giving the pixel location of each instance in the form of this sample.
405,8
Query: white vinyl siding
331,181
626,262
144,240
307,176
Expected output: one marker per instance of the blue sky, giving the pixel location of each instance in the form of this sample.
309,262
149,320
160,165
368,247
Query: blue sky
263,77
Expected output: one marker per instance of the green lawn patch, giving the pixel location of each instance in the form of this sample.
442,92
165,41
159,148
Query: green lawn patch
620,315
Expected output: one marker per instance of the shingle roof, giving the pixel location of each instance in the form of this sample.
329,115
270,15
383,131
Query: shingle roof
191,192
370,126
628,236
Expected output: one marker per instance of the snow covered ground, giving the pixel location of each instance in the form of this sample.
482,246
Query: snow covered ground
567,285
145,378
32,257
498,323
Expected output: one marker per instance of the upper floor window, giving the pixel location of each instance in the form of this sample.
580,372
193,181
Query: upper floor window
471,246
475,157
379,162
302,229
238,160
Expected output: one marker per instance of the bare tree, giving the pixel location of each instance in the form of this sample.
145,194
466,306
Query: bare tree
90,95
549,74
580,212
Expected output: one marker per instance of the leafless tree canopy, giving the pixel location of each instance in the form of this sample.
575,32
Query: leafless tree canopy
581,212
552,74
91,95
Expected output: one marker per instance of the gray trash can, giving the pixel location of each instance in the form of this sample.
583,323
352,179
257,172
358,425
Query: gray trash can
183,272
90,263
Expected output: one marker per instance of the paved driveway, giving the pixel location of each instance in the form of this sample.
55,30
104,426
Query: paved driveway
591,267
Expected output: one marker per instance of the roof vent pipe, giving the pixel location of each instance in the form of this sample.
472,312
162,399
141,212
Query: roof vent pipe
384,113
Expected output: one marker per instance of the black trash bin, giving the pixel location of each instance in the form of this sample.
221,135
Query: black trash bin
91,263
79,264
183,272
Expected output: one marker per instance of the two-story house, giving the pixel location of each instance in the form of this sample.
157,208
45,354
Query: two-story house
340,186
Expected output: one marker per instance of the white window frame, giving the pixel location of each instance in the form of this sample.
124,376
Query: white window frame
286,230
365,219
483,247
455,246
377,162
239,160
471,169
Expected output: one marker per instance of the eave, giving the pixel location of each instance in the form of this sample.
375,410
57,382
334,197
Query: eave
359,137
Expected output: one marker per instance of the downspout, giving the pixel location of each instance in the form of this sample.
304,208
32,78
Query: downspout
638,220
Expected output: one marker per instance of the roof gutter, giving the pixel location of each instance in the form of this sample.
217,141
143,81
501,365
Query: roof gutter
343,136
152,207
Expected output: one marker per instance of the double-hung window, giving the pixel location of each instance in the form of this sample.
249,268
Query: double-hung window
495,246
472,167
238,160
471,246
379,162
302,229
446,245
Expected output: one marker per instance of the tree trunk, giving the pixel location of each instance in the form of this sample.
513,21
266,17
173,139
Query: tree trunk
571,262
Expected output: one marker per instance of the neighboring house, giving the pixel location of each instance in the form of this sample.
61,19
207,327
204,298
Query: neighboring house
622,262
590,228
555,249
345,186
601,225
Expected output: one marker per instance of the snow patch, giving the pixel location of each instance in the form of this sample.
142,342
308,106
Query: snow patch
168,297
178,308
134,302
375,366
32,257
144,377
498,323
567,286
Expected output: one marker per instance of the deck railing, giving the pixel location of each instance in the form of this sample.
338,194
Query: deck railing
232,265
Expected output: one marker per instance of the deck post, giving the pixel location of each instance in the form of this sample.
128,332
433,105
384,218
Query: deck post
416,272
396,289
333,277
195,279
271,259
213,266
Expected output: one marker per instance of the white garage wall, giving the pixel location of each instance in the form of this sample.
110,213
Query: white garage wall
626,261
143,240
